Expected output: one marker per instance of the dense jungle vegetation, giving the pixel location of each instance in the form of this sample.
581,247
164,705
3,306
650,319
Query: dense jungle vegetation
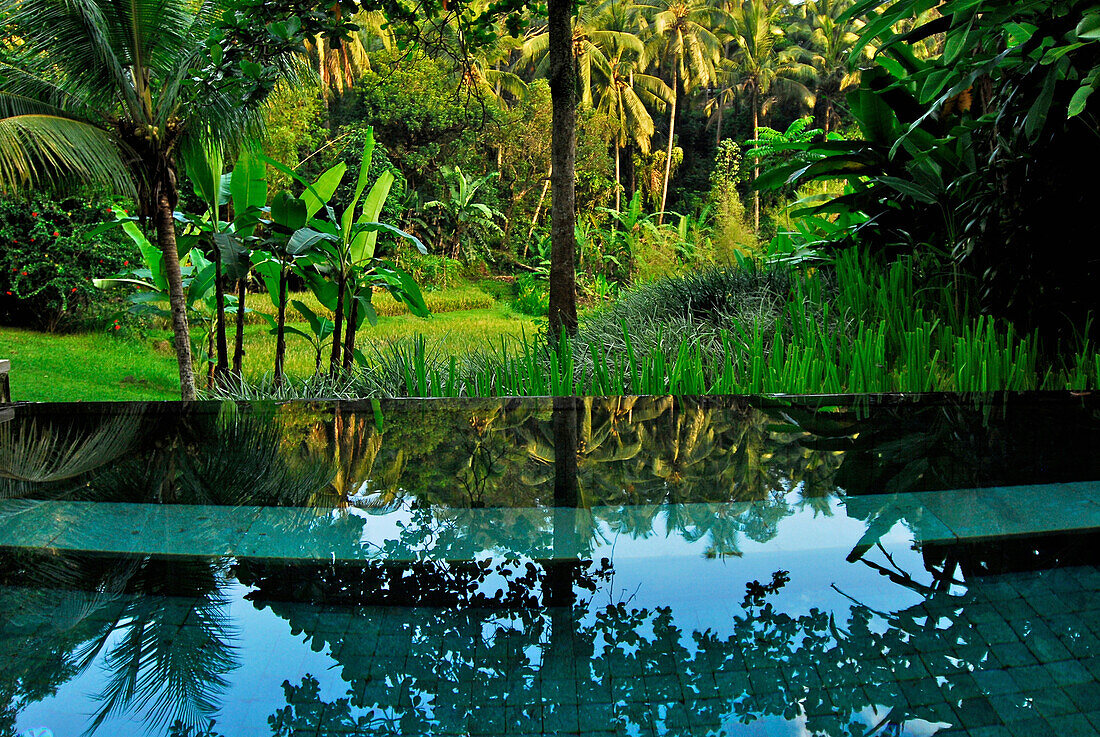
376,198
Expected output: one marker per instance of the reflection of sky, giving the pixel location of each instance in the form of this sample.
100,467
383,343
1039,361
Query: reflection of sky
667,570
660,570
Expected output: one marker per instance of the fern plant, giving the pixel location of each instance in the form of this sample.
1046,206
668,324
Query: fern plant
774,147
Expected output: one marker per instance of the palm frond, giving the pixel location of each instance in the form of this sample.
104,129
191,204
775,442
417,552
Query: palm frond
47,148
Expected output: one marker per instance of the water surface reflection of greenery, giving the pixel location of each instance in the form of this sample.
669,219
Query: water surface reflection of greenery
525,628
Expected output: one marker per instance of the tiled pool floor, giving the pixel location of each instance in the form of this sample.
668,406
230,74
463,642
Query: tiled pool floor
1017,654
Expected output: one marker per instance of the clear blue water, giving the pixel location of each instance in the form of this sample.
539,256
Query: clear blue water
630,566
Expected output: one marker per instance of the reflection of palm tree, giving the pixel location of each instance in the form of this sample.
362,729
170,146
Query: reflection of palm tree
127,613
166,671
37,453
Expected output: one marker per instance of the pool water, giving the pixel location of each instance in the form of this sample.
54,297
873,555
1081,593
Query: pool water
626,566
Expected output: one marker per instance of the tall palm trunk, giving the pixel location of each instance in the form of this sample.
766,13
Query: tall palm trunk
238,344
629,183
538,208
166,241
668,153
618,182
718,135
755,162
563,152
337,320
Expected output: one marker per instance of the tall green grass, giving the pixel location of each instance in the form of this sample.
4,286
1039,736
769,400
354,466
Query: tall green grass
855,330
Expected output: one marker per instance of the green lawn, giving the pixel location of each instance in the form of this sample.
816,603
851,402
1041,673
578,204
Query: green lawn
101,366
88,366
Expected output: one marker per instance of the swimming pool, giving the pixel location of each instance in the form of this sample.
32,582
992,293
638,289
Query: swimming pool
616,566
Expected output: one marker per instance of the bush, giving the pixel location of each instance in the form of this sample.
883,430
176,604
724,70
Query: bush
532,295
47,263
695,307
431,271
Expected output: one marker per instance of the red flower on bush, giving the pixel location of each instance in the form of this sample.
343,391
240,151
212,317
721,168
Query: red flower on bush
125,263
34,214
55,234
24,273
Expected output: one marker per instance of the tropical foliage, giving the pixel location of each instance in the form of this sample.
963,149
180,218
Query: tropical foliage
941,140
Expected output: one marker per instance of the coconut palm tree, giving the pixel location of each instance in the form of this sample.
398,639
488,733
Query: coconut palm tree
828,43
623,96
761,63
593,46
112,80
339,62
680,38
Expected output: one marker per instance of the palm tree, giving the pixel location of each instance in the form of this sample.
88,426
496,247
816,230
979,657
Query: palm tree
117,75
593,45
761,63
339,62
681,39
622,96
482,72
828,44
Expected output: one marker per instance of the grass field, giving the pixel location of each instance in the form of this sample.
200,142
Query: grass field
102,366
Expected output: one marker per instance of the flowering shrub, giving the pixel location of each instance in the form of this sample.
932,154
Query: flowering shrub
47,260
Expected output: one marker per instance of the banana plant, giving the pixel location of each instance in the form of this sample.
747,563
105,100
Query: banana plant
345,248
320,329
226,240
150,297
275,260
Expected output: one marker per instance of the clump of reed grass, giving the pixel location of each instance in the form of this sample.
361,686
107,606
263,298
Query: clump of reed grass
856,329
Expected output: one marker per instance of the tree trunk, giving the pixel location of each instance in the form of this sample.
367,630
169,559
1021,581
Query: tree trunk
668,153
166,241
629,183
238,345
755,164
210,349
718,135
618,180
349,336
538,208
280,335
337,322
563,151
821,114
221,369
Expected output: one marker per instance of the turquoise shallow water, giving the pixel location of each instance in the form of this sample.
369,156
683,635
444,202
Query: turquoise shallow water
629,566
